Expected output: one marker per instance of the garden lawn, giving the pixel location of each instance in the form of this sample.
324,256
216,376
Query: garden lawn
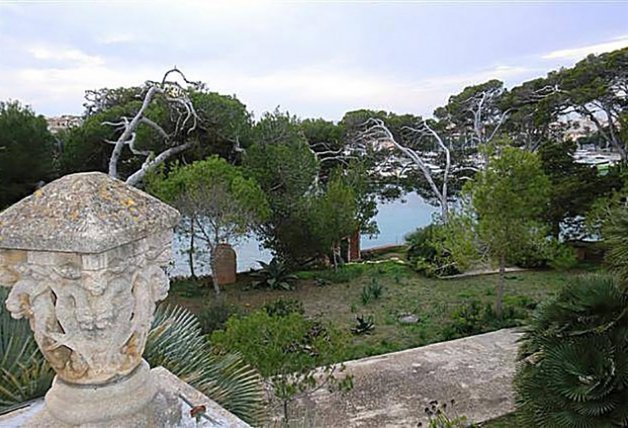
335,297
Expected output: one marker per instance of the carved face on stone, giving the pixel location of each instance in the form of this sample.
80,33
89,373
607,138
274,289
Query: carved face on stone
91,313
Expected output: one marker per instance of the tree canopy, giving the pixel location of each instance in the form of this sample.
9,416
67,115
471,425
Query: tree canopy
27,152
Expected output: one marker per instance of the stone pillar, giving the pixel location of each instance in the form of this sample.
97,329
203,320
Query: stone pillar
225,264
354,246
84,256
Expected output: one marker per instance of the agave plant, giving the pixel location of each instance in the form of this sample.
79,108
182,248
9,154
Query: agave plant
274,275
175,342
573,368
364,325
24,373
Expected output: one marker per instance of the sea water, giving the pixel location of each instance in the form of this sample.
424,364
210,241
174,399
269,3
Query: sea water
395,220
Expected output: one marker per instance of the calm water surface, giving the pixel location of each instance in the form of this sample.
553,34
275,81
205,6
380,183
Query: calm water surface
395,220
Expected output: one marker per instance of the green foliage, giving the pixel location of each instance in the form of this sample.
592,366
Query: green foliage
574,186
222,120
364,325
475,318
562,257
615,233
219,203
291,350
214,315
371,291
428,251
278,344
508,198
214,190
177,343
283,307
574,358
274,275
441,417
26,152
24,373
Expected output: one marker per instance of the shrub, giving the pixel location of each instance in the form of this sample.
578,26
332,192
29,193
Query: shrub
573,359
426,252
292,351
274,275
214,315
563,257
476,318
371,291
283,307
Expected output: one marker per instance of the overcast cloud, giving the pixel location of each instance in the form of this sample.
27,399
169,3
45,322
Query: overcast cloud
315,59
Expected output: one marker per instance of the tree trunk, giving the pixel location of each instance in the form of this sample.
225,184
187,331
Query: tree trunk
500,286
191,251
212,264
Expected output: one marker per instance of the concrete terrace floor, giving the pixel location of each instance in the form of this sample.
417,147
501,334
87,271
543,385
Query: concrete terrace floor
392,390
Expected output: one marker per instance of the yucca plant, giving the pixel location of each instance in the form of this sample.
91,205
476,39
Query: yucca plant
573,359
24,373
175,342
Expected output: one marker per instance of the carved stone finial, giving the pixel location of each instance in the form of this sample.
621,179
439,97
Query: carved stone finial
84,256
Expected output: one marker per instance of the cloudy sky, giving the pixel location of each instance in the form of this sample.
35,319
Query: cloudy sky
315,59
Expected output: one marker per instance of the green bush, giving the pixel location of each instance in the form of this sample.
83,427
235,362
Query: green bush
573,359
278,344
214,315
284,307
292,351
426,254
476,318
563,257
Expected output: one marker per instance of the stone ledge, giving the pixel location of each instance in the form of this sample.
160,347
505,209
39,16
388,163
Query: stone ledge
166,381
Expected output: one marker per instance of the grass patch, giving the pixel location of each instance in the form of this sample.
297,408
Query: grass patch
335,296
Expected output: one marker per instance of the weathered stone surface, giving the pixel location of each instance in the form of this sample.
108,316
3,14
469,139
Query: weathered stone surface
169,409
90,313
225,264
408,319
84,213
84,257
392,390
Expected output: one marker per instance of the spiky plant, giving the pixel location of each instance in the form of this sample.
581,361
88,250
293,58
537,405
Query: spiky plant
573,359
177,343
174,342
24,374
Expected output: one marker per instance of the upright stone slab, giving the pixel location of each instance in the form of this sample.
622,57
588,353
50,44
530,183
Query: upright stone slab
225,264
84,256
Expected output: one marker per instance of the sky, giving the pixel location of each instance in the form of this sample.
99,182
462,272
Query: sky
312,58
